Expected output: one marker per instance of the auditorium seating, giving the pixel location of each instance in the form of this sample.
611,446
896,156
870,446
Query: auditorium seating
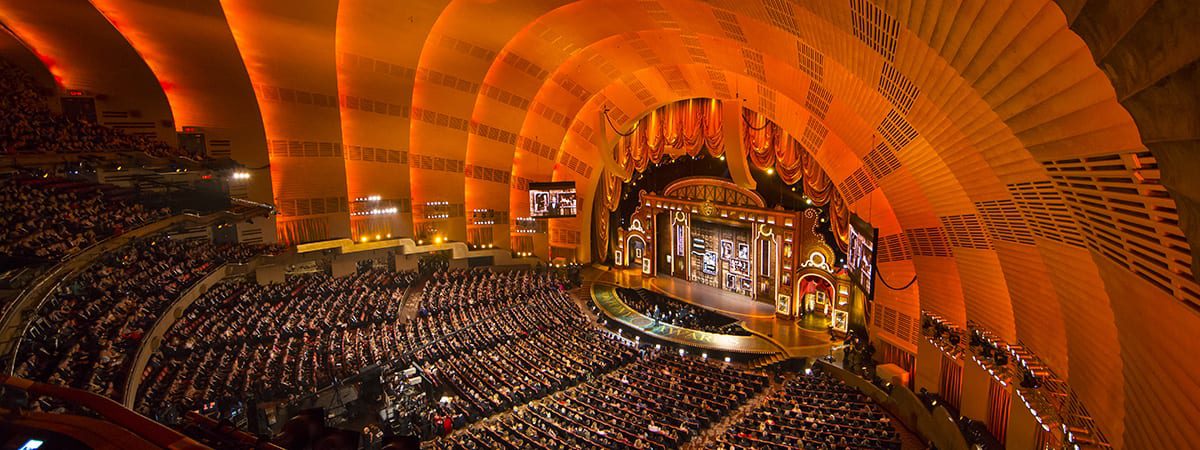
242,340
29,127
658,401
814,411
86,332
521,338
681,314
49,218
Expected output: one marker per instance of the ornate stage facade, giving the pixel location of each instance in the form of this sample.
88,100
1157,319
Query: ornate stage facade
711,232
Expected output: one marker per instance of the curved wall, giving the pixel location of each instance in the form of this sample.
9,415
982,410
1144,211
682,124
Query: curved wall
1030,162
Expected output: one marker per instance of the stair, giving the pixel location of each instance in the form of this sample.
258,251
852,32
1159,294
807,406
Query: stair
767,360
710,435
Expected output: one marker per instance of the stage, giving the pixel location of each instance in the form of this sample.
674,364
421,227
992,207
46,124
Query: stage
771,335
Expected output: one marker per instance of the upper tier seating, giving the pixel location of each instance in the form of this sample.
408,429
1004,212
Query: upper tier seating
49,218
274,341
29,127
87,331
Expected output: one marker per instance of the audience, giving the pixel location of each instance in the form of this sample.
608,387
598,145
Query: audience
503,339
657,401
679,313
241,340
86,332
814,411
49,218
28,126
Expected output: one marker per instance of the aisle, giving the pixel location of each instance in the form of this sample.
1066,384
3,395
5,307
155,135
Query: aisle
705,437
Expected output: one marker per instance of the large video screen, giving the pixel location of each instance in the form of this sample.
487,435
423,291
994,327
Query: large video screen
549,200
860,255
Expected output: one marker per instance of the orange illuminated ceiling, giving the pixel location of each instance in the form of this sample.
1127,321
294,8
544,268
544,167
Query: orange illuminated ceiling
1029,191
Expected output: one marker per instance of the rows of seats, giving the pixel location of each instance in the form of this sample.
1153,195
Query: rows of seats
658,401
49,218
29,127
87,331
679,313
242,339
523,346
500,339
814,411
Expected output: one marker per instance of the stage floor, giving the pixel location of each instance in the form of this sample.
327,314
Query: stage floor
757,317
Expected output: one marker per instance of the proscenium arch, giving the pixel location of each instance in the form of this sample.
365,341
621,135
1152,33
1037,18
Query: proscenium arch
983,130
1066,293
1004,330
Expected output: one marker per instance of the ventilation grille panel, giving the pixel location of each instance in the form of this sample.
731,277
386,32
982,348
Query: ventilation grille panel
898,89
875,28
881,161
966,231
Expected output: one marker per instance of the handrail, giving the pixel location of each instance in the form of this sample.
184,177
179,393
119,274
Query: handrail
14,316
163,323
241,436
154,432
935,425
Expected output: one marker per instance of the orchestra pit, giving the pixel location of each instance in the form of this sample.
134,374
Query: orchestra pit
584,224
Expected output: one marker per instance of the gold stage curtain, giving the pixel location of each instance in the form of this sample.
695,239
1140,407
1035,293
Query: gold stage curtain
817,185
760,137
769,146
689,125
839,221
612,190
789,160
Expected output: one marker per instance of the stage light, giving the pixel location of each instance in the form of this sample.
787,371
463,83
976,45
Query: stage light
363,239
722,157
389,235
770,170
437,240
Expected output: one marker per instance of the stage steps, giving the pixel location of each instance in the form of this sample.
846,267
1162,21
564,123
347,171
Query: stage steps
767,360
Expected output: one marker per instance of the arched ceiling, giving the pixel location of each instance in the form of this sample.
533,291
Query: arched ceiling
1026,160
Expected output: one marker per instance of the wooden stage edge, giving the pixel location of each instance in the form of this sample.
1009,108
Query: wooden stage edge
771,335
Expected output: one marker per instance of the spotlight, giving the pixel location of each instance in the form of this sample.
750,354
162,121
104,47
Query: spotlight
363,239
770,170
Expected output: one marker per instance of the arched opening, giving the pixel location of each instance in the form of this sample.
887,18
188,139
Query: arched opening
815,302
636,251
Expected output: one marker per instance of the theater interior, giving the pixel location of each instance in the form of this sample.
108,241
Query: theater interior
628,224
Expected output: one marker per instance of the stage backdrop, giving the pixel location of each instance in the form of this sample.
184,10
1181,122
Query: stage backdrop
721,256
